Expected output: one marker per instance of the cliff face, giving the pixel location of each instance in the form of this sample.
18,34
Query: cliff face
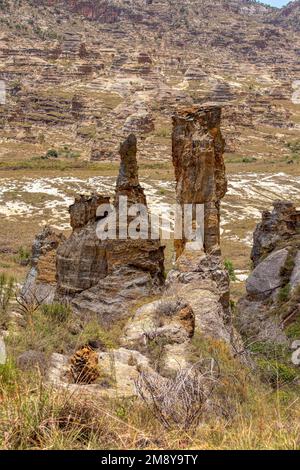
85,74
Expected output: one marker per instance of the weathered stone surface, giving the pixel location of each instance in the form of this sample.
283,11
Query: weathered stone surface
255,321
272,301
197,150
41,279
141,122
128,181
84,209
295,276
170,319
201,280
119,370
105,276
85,366
266,277
277,226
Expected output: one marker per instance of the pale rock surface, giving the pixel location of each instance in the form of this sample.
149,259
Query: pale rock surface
266,276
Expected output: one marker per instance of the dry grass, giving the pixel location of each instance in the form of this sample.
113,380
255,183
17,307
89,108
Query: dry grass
33,416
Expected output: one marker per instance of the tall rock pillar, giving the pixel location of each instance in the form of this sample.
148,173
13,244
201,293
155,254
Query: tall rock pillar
197,151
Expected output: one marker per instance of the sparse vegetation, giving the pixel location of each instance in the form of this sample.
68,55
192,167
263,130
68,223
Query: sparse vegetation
7,291
230,268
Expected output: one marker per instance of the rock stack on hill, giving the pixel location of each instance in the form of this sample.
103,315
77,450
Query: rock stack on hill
198,148
103,277
106,278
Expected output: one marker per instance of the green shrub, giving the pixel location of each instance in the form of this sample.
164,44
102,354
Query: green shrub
23,256
52,153
284,293
230,268
277,373
293,331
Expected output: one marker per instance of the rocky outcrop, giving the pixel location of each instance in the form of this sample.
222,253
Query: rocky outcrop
196,296
84,209
276,227
197,152
128,182
40,282
141,122
104,277
272,301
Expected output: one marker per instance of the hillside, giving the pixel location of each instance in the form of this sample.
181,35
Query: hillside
81,75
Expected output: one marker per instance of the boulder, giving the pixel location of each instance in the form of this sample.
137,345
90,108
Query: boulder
295,276
266,277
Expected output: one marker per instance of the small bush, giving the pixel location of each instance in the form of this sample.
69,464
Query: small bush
230,268
276,373
23,256
293,331
52,153
284,293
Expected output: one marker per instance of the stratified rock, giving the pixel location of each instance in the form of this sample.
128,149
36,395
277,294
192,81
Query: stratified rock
84,209
128,181
85,366
276,227
41,279
141,123
104,277
267,277
272,300
197,152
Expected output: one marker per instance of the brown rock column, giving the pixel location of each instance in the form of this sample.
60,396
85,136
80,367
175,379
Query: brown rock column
128,179
197,150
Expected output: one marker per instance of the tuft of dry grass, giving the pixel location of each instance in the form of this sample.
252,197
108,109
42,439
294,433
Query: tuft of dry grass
35,416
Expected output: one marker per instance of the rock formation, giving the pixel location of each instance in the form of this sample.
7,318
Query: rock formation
198,148
198,286
41,279
272,303
104,276
276,227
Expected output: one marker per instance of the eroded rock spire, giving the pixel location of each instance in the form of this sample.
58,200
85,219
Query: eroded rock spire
197,151
128,180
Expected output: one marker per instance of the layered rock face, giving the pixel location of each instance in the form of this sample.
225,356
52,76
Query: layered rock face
272,303
104,276
276,226
41,279
197,154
